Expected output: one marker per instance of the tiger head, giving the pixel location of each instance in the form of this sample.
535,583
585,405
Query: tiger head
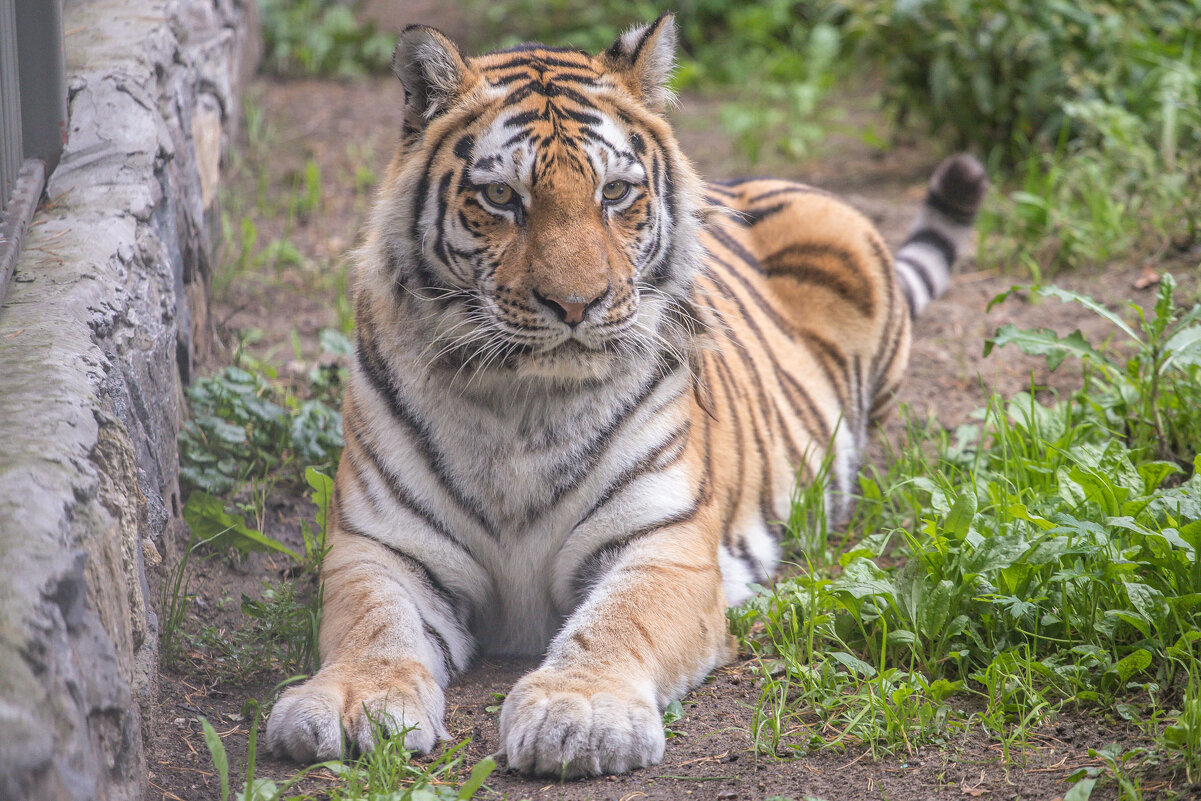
538,217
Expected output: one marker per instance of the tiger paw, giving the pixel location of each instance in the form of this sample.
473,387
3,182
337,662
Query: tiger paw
308,722
556,726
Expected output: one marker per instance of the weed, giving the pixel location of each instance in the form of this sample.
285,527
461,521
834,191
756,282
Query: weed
279,637
1151,397
1091,108
386,773
1182,737
1002,76
671,713
174,601
1045,553
282,624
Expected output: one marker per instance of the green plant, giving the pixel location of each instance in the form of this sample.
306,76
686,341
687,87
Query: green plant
212,524
1087,111
671,713
1182,737
1151,396
1043,554
386,773
1000,75
320,37
279,635
280,627
244,428
174,601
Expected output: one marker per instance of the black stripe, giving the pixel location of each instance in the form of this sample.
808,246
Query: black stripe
929,236
780,264
600,561
486,163
426,576
788,382
646,35
751,217
822,348
423,183
404,498
791,189
640,468
908,293
585,460
920,270
524,118
948,208
535,60
440,220
547,90
765,400
766,484
374,368
727,384
668,190
444,649
888,278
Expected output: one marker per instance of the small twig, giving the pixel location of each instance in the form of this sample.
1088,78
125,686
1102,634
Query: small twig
166,793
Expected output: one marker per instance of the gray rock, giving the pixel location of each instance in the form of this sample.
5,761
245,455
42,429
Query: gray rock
103,320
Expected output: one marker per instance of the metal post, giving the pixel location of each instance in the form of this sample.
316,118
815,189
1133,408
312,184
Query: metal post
11,154
43,79
33,116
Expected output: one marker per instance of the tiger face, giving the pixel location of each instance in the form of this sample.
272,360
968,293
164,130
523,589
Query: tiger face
553,216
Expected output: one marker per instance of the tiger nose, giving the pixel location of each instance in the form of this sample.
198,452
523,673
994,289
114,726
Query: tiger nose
570,309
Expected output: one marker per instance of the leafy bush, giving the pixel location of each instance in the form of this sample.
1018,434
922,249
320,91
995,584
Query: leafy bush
1000,74
1152,398
243,428
1092,106
321,37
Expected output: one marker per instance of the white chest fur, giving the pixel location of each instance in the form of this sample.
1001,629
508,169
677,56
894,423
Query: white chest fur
528,483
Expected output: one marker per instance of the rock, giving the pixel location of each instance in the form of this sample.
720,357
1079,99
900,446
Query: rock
99,332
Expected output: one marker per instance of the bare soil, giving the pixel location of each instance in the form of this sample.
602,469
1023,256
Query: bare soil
348,126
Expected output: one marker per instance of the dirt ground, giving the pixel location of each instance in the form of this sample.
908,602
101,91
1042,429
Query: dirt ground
346,127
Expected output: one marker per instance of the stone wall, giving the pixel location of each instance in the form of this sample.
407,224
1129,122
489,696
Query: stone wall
104,317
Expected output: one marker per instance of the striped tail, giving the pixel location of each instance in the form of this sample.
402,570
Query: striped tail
942,228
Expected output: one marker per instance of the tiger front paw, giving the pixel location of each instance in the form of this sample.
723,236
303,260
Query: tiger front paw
308,722
558,726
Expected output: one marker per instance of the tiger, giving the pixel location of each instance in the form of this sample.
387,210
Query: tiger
584,388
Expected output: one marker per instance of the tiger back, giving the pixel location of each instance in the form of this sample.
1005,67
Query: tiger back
584,386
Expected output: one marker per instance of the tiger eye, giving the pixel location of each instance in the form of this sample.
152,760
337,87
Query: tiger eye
615,190
500,194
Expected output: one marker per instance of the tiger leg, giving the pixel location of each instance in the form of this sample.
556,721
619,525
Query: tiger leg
652,627
389,643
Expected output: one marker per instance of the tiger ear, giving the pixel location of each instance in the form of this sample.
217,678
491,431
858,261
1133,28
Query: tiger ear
432,71
646,56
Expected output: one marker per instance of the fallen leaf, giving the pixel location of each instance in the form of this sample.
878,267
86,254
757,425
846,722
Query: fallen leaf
1147,277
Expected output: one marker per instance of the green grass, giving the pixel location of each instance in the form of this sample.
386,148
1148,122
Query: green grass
1044,555
385,774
